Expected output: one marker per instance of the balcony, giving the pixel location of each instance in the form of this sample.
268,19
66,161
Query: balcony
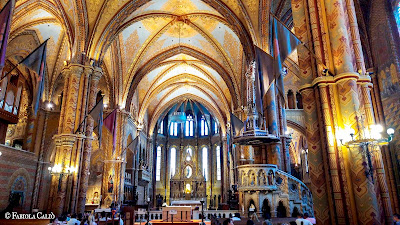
296,116
144,176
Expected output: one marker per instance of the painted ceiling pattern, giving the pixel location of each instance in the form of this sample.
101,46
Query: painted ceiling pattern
152,52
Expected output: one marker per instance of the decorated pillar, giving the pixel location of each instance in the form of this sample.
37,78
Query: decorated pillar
40,167
114,166
379,170
84,171
347,59
65,164
306,20
363,187
225,169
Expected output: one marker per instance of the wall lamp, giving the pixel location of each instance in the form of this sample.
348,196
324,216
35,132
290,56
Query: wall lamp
368,142
58,170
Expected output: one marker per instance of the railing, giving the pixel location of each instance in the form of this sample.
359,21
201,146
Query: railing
144,175
216,213
296,115
128,178
157,214
269,181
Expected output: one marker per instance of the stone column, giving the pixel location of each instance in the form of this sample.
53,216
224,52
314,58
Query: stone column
376,150
114,165
363,188
84,171
66,138
40,168
66,143
225,170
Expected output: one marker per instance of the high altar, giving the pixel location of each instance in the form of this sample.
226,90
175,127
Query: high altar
188,183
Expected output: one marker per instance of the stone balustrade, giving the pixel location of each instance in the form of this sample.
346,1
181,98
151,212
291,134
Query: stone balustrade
144,175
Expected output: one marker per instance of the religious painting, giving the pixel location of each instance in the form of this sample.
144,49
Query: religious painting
188,171
110,184
17,195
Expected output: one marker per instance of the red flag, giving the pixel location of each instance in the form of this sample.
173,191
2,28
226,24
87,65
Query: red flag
5,23
111,124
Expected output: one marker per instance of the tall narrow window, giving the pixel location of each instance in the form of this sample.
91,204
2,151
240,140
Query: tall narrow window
158,164
172,163
161,128
218,154
215,127
173,129
203,127
306,159
299,100
205,163
397,15
189,126
290,99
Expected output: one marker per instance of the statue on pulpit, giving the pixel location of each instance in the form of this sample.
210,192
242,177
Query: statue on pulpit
141,164
270,178
110,184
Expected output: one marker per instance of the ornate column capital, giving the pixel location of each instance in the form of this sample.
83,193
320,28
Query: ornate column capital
75,70
67,139
87,71
97,73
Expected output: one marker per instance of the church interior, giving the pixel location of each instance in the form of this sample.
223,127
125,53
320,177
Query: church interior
261,109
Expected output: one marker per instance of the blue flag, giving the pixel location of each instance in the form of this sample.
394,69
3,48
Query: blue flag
36,61
283,42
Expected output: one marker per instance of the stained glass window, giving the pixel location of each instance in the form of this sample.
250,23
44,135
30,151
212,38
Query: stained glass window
397,15
205,163
218,153
172,162
158,164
